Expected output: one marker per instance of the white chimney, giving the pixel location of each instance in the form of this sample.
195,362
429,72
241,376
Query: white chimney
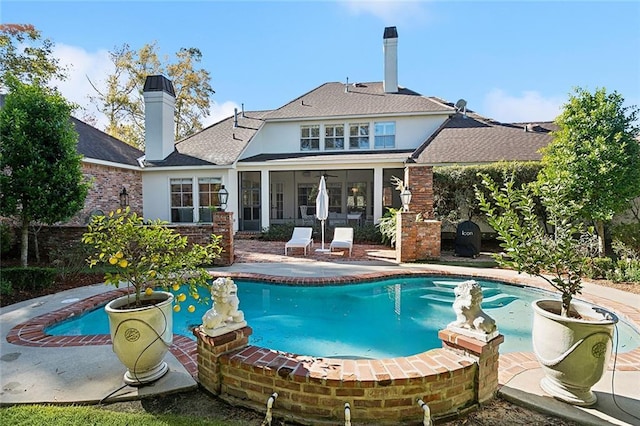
159,120
390,50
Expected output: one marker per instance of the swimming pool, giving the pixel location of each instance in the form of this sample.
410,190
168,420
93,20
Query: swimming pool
379,319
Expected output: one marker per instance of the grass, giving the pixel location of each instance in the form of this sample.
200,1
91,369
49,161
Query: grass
81,416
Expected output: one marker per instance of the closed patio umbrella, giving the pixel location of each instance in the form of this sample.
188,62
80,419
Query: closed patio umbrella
322,208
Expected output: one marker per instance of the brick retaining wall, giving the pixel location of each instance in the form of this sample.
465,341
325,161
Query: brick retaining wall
310,390
51,238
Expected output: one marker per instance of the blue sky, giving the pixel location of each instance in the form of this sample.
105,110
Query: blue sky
510,60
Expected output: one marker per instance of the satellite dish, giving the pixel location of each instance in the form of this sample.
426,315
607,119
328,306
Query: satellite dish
461,105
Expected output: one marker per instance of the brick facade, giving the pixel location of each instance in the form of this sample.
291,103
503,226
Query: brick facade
104,193
416,239
460,375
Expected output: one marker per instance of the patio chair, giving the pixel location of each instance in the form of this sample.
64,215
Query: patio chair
306,217
342,238
301,238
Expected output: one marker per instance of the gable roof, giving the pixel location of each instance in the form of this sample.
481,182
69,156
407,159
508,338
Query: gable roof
97,145
471,138
222,144
217,145
340,100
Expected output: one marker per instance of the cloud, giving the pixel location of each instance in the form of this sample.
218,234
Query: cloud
96,66
219,111
82,66
530,106
390,12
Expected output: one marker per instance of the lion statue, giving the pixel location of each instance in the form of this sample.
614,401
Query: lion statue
224,293
469,313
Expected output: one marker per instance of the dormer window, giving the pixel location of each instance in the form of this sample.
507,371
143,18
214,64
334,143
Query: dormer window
385,134
309,138
359,136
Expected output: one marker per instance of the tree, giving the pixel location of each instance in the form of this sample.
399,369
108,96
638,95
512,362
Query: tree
26,56
41,176
147,254
558,257
594,158
122,99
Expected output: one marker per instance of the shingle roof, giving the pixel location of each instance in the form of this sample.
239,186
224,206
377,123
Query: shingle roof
218,144
97,145
221,144
337,156
331,100
475,139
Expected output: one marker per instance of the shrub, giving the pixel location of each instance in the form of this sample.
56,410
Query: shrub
626,239
7,237
367,234
29,277
6,289
387,227
599,267
278,232
625,270
69,260
454,187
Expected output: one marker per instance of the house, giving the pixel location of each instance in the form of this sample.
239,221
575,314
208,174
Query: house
358,135
114,170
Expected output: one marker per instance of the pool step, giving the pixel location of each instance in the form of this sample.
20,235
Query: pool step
491,302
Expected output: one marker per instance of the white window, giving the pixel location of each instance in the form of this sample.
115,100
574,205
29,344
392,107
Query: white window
309,138
359,136
385,134
181,200
208,189
333,136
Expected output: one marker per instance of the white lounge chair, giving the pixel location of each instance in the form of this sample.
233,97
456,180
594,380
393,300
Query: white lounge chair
342,238
301,238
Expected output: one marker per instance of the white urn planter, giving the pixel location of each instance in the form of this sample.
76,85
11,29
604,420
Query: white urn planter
142,336
573,352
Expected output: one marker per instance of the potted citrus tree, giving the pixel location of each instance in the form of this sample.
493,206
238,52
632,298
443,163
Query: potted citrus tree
572,339
150,259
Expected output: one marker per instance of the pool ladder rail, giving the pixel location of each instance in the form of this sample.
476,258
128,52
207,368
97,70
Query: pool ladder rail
426,421
269,415
268,418
347,414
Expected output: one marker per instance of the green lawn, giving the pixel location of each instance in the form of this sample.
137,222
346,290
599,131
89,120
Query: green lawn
83,416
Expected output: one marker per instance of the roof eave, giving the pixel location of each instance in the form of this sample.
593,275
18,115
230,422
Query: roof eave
358,116
110,164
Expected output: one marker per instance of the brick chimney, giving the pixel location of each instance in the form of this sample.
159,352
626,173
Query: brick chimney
390,50
159,121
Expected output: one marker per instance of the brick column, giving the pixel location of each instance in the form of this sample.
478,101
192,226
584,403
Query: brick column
210,349
420,181
416,240
406,234
485,355
223,225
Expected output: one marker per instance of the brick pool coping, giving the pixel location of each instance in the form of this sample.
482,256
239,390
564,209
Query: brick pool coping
32,332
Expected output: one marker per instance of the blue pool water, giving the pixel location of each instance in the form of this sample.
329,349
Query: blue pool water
381,319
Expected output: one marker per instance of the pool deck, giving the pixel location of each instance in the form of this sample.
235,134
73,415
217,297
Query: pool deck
35,368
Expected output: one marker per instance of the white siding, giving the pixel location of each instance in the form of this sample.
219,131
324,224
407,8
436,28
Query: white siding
156,190
284,137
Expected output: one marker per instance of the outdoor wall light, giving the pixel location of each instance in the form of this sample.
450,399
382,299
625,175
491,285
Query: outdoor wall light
405,196
124,198
223,197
